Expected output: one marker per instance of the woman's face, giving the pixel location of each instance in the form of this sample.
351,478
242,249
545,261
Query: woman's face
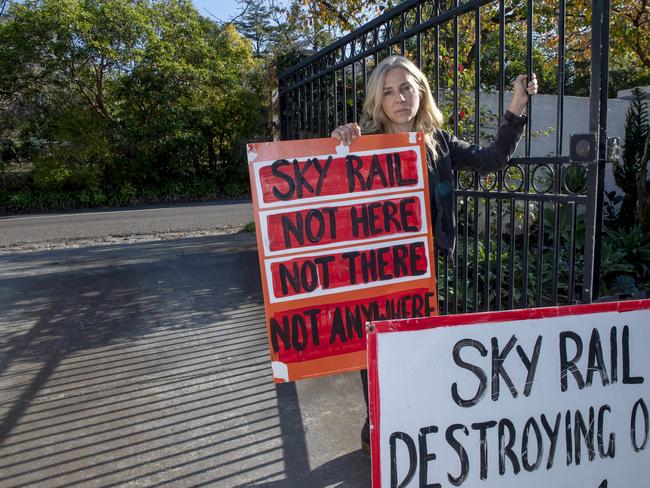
401,99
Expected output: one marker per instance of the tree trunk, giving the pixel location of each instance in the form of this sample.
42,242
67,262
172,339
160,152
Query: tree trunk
212,155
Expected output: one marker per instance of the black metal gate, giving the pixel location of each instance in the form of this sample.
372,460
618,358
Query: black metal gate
528,235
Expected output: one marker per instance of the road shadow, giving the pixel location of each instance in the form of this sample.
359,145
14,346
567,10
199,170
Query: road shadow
350,470
147,364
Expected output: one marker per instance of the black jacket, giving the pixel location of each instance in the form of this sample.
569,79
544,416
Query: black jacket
454,154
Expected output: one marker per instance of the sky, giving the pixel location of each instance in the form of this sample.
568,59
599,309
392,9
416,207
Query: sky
221,9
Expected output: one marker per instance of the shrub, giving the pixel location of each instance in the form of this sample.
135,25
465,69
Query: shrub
625,254
627,170
21,201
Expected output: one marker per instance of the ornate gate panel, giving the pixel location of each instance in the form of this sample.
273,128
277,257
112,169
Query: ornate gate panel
528,235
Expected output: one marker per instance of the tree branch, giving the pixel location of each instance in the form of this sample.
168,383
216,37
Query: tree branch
99,108
99,83
339,15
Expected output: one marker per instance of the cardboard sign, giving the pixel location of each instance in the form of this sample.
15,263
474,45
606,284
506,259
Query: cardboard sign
344,238
555,397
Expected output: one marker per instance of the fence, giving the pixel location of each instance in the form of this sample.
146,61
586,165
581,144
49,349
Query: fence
528,235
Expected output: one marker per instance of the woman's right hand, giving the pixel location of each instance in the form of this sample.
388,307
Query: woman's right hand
347,133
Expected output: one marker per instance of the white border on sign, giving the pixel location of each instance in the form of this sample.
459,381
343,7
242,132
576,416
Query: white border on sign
401,350
341,203
321,292
258,184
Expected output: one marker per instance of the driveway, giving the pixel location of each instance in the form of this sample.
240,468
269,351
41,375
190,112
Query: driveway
146,364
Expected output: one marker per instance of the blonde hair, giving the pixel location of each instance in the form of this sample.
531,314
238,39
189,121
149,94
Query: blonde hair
375,121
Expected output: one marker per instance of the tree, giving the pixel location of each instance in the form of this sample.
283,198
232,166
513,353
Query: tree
627,171
128,96
631,29
629,33
256,24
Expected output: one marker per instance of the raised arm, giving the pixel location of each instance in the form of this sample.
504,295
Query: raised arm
520,92
494,156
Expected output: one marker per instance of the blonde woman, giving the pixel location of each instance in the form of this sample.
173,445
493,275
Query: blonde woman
399,100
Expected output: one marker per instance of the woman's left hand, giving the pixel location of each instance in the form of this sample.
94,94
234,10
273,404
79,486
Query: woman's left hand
523,87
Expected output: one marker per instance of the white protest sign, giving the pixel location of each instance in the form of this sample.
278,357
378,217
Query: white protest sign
551,397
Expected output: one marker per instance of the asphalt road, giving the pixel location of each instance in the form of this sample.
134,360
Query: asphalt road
146,364
65,228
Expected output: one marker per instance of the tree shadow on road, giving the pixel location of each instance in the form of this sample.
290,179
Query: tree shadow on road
147,364
351,470
79,322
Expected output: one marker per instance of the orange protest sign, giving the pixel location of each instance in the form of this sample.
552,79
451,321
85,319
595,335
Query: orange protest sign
344,238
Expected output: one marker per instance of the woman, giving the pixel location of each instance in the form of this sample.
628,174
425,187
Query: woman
399,100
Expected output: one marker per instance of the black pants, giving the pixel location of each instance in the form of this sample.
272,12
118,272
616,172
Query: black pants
364,382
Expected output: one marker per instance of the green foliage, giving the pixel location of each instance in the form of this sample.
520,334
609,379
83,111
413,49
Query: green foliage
516,60
124,195
625,259
257,25
21,200
629,31
73,156
114,101
508,274
637,129
624,267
